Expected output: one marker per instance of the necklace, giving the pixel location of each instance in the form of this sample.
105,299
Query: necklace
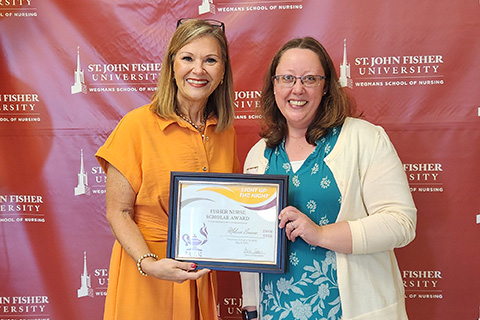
187,119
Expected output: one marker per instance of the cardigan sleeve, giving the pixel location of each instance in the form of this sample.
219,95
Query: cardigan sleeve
390,219
250,289
255,163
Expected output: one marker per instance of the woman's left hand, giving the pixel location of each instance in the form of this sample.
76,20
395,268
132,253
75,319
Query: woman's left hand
335,236
297,224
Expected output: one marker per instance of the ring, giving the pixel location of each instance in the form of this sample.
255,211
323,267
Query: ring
291,223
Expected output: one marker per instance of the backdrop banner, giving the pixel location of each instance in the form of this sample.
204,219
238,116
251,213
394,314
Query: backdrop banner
69,71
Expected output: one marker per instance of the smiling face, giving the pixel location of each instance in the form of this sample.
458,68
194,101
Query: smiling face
198,68
299,104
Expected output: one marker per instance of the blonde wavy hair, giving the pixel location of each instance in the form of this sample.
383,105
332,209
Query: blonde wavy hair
221,101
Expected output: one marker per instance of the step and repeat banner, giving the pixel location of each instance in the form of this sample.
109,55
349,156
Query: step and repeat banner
69,70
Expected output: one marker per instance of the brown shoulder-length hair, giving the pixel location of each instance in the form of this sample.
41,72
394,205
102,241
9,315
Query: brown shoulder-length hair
334,107
220,102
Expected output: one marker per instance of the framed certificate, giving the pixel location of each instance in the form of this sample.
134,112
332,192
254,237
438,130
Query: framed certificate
227,221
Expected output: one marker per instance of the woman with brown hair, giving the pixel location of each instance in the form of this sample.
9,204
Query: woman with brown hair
349,203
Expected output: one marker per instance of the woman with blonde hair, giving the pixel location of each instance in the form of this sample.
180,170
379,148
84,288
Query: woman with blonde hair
186,127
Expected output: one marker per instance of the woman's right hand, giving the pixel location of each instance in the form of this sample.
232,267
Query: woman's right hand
172,270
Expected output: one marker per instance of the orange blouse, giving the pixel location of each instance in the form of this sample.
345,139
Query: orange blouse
145,149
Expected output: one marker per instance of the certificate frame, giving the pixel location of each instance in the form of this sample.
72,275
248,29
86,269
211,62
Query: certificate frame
239,230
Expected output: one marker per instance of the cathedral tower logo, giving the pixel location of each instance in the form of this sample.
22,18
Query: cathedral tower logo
86,282
79,84
207,6
345,80
82,185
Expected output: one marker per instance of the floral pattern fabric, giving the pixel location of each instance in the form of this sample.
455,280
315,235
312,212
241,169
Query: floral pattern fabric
308,289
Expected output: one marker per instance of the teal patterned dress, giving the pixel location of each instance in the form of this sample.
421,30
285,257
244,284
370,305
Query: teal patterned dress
308,289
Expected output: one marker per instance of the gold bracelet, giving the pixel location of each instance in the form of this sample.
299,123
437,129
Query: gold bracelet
139,261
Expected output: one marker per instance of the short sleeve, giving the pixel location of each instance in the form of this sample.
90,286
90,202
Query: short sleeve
122,149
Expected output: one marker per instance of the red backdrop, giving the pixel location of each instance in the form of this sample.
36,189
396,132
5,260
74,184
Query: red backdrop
71,69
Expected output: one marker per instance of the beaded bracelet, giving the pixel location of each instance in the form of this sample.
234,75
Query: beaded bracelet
139,261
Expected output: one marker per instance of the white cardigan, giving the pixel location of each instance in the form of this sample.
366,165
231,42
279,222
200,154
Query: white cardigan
378,205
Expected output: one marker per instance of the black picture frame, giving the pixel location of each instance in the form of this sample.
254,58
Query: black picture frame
233,249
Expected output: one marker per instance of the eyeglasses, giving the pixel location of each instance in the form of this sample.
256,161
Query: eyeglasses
212,22
288,80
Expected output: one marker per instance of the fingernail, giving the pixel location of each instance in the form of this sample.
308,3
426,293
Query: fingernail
193,265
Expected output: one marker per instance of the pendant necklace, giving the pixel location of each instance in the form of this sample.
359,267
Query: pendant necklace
198,127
